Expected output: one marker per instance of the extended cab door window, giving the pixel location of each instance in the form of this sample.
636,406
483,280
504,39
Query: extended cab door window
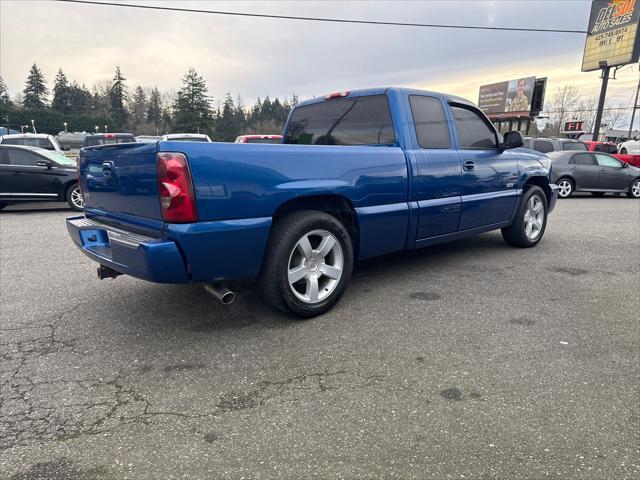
543,146
432,129
473,130
345,121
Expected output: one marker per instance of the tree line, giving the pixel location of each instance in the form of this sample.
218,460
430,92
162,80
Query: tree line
111,105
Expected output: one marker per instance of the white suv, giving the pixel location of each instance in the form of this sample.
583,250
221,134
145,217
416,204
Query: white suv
40,140
632,147
185,137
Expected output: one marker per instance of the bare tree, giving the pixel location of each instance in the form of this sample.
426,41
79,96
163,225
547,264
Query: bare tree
614,115
560,108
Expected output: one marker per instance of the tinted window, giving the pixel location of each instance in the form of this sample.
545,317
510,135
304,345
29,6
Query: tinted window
22,157
583,159
473,130
90,142
346,121
187,139
606,148
574,146
607,161
30,142
544,146
264,140
431,125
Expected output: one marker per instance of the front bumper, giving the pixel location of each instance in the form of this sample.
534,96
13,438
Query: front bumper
554,197
148,258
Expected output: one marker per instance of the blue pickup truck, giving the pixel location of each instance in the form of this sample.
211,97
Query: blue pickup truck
359,174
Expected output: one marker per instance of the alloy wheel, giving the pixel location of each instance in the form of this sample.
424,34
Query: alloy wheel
315,267
635,189
565,187
76,198
534,218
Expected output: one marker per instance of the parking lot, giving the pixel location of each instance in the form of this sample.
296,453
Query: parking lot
467,360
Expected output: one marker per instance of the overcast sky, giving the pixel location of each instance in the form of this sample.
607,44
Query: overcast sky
255,57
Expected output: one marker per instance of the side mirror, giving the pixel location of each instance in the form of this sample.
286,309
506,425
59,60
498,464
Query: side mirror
43,163
512,140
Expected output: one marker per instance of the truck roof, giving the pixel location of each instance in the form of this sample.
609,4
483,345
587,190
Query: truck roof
383,91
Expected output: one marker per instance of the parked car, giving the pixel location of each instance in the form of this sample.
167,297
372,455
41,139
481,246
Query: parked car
71,143
362,173
546,145
597,173
39,140
107,139
631,146
185,137
30,174
259,139
147,138
612,149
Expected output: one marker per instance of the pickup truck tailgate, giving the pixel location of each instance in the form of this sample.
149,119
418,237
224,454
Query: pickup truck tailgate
120,181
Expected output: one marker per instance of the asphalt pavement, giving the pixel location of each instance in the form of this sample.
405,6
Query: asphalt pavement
467,360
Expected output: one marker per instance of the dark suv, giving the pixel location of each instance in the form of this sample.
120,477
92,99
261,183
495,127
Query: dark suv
30,174
108,139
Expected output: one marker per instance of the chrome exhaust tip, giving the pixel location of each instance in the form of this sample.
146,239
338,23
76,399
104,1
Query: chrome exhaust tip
220,293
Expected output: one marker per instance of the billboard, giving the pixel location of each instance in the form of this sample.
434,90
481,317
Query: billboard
613,38
507,99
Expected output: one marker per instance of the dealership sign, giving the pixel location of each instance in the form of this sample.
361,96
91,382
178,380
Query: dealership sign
574,126
510,99
613,34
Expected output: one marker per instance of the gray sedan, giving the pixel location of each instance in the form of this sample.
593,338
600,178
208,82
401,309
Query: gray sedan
597,173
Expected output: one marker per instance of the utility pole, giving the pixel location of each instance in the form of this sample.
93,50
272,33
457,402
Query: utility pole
635,106
603,94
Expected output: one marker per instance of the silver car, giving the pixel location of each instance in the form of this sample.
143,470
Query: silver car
593,172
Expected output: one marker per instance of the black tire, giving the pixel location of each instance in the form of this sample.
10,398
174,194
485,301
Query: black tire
515,234
71,197
623,151
282,247
570,184
598,194
635,185
3,205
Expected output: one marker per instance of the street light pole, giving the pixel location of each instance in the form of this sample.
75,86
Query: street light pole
603,93
105,129
33,126
96,128
635,106
65,127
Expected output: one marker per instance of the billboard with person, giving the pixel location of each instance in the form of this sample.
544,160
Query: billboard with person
507,99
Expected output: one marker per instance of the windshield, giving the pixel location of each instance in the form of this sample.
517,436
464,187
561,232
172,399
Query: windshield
30,142
58,158
574,146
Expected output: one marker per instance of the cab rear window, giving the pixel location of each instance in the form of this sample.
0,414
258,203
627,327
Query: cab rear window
346,121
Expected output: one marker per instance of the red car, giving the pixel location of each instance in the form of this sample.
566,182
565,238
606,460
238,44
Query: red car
612,149
259,139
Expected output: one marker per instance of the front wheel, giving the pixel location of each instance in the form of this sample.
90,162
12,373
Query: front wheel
74,198
634,189
565,188
623,151
530,221
308,263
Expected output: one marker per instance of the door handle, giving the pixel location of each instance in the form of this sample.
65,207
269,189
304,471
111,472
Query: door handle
468,166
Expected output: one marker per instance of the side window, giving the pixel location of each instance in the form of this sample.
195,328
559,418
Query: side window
583,159
473,130
23,158
611,149
607,161
4,158
430,122
544,146
348,121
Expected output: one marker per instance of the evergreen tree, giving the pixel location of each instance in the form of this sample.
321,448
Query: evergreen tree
154,112
35,90
61,94
5,100
138,110
117,100
80,98
228,126
192,107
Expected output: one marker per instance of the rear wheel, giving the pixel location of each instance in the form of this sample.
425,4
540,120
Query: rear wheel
74,197
565,187
623,151
530,222
598,194
634,189
308,263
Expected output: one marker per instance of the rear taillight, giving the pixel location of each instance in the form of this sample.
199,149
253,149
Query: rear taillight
177,200
335,95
